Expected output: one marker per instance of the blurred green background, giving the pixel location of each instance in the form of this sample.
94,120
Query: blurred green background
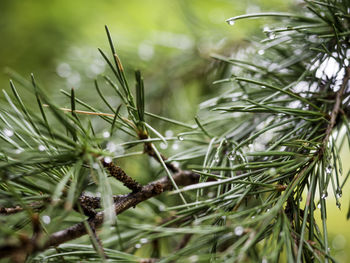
169,40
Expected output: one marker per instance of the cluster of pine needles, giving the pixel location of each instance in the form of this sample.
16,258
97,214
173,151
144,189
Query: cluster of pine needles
252,173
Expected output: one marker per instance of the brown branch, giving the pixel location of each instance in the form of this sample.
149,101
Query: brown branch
90,203
10,210
148,148
17,208
118,173
87,203
98,246
336,108
122,204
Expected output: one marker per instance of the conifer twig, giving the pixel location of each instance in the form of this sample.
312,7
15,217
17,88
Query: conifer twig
10,210
336,107
122,204
118,173
17,208
98,243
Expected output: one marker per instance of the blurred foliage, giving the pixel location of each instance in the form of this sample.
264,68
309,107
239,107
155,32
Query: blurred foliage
162,38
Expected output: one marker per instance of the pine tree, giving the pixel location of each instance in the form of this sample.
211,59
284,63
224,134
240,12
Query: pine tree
234,190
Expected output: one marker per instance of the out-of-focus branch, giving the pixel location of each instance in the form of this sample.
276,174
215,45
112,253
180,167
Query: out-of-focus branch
16,209
10,210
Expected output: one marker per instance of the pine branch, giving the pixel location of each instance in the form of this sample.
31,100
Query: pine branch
12,210
118,173
122,204
272,139
336,108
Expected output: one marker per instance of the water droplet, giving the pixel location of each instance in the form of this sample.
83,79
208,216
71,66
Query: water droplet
232,156
270,34
211,194
253,217
263,87
324,195
169,133
74,80
216,158
338,196
175,146
41,148
137,245
163,145
340,170
111,146
272,171
106,134
161,208
193,258
266,29
18,151
231,22
338,204
329,169
176,164
46,219
319,206
63,70
180,138
339,192
143,240
95,166
8,132
268,210
239,230
108,159
261,52
300,199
